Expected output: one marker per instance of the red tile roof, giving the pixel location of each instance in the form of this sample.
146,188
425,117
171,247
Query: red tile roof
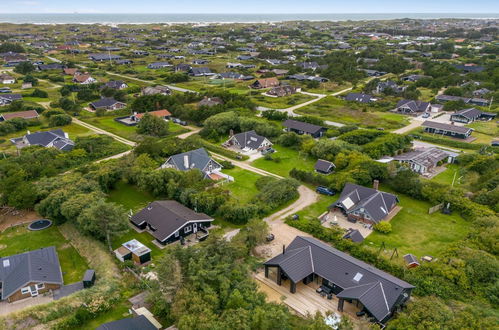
157,113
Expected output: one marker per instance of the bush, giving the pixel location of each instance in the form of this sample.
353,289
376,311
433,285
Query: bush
383,227
60,120
39,93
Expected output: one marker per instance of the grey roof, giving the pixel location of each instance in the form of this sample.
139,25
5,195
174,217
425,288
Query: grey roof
446,127
376,203
359,97
11,97
354,235
201,71
302,126
167,217
426,157
41,266
413,105
136,323
105,102
116,84
249,139
56,137
470,113
104,57
377,290
445,98
198,158
323,165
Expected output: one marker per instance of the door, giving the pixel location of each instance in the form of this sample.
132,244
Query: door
195,228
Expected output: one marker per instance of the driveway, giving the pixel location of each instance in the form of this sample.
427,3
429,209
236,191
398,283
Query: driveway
7,308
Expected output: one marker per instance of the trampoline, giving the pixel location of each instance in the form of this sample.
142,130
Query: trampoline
40,224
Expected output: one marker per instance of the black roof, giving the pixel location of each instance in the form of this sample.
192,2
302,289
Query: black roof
359,97
470,113
446,127
167,217
302,126
354,235
323,165
376,203
249,139
105,102
136,323
377,290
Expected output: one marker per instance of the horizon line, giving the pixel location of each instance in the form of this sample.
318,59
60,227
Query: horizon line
241,13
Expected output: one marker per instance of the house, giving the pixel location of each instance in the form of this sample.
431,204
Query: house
368,205
169,221
469,68
459,132
300,127
308,260
83,79
423,160
182,67
50,66
210,101
359,97
284,90
7,79
200,62
480,102
135,251
248,142
303,77
414,77
28,114
30,274
6,99
384,86
265,83
310,65
130,323
115,84
374,73
104,57
324,167
481,92
70,71
159,65
446,98
150,90
164,114
196,159
467,116
200,72
107,103
124,62
56,138
412,106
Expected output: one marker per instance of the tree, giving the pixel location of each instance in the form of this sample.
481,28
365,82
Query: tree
11,47
39,93
24,67
103,221
60,120
30,79
152,125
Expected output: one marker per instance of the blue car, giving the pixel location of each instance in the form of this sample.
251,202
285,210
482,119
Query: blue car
324,191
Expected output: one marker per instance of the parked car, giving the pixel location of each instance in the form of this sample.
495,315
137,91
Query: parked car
426,115
180,122
324,191
268,151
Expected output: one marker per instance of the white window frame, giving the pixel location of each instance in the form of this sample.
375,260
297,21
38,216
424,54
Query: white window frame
187,229
177,234
40,286
25,290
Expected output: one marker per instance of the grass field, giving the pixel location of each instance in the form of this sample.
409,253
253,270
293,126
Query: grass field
315,210
20,239
289,159
280,102
335,109
415,231
485,127
129,196
447,176
243,188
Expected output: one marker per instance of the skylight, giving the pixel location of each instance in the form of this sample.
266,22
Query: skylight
383,209
6,263
358,277
347,203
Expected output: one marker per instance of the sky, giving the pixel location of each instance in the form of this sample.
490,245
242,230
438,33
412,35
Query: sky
249,7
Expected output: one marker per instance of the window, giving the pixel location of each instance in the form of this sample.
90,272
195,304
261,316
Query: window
187,229
25,290
177,233
358,277
40,286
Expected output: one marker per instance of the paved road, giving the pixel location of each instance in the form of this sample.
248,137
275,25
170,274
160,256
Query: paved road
53,59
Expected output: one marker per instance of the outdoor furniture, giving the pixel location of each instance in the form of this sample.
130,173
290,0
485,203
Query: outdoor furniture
318,290
330,296
361,313
323,294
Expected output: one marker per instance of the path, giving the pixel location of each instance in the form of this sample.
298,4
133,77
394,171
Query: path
193,130
101,131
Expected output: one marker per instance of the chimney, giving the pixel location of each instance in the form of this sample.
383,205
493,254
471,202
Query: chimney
186,161
29,132
376,184
66,135
283,249
231,133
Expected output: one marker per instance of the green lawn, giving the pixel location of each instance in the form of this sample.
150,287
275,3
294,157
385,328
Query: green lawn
447,176
243,188
315,210
280,102
118,312
129,197
289,159
19,239
485,127
415,231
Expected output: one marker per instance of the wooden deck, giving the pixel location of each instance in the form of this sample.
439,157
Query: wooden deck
305,301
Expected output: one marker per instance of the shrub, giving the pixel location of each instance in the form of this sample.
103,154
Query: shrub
383,227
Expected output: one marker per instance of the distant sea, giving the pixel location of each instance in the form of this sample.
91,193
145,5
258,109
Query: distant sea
219,18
